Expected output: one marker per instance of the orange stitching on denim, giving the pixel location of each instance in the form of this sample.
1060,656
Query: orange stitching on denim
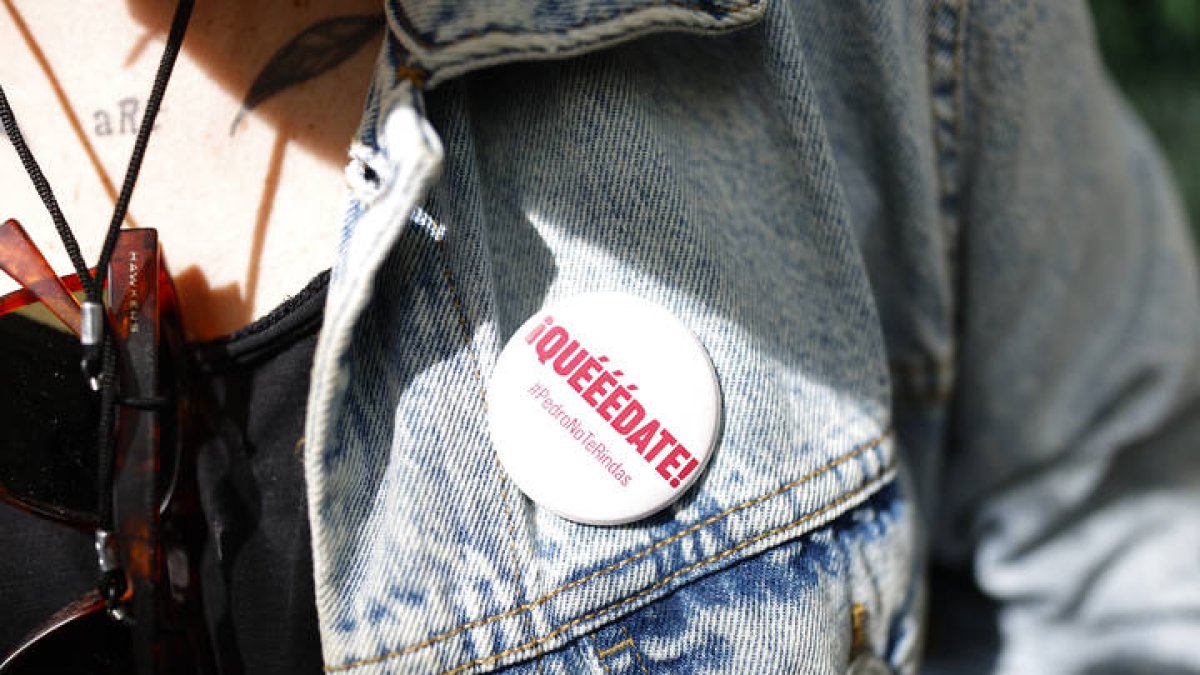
623,644
512,539
477,371
600,660
858,628
853,454
912,378
637,653
668,579
416,76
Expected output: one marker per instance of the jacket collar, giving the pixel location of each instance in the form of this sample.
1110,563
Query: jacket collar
446,38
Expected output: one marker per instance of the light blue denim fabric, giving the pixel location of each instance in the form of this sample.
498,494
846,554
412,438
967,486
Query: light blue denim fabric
942,279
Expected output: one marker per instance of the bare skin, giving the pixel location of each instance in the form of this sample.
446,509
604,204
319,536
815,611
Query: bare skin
246,218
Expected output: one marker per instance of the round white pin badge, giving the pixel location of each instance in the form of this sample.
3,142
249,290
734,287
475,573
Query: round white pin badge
604,408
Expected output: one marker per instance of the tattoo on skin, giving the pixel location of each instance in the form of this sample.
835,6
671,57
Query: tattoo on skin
316,50
122,119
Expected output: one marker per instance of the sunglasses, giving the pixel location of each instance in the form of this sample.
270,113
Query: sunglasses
146,616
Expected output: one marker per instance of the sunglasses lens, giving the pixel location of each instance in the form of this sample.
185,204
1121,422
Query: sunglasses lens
48,419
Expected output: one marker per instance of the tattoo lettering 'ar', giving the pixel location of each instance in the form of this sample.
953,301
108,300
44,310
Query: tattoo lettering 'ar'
318,49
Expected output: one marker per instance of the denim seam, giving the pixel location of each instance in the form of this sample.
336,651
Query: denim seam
429,75
346,299
477,372
848,497
637,653
816,473
947,56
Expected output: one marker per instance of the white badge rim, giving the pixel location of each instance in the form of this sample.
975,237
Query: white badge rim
577,476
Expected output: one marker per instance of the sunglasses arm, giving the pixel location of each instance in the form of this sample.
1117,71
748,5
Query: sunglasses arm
24,262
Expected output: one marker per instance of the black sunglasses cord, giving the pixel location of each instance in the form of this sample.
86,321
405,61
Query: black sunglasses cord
99,361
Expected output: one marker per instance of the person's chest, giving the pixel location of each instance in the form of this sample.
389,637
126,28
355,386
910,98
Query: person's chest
246,205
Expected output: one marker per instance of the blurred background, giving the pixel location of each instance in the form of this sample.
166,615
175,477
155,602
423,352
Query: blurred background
1152,48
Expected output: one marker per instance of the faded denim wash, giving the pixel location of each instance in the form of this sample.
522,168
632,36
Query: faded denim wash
944,283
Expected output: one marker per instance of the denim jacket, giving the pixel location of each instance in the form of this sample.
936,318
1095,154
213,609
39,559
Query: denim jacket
940,273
